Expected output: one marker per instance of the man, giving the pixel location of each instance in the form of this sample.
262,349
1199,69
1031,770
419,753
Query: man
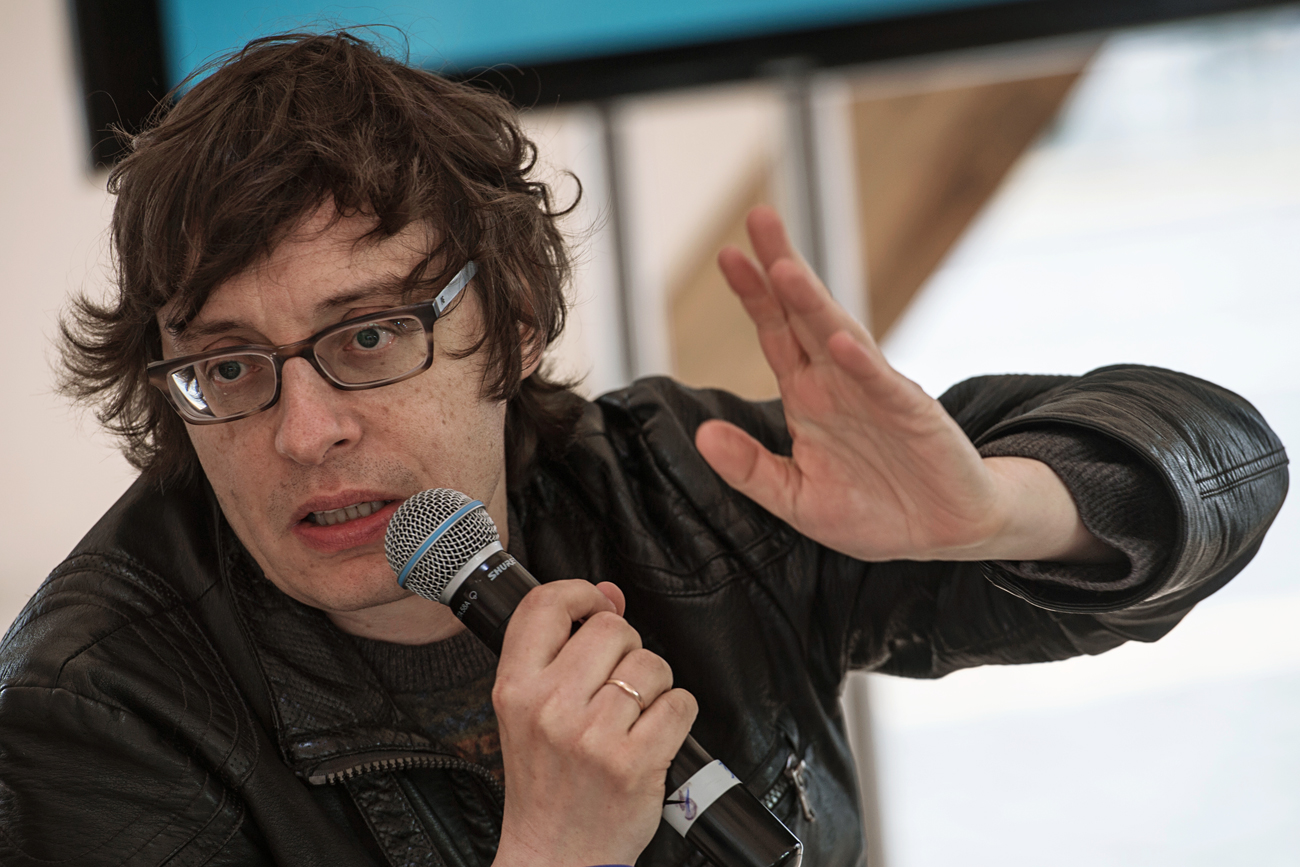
336,283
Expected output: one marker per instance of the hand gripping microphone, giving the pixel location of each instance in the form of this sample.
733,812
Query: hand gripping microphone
444,546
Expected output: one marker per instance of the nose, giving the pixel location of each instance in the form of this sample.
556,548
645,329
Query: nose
313,416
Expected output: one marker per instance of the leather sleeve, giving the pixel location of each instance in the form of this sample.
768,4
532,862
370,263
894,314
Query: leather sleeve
1202,459
88,783
122,740
1120,499
95,767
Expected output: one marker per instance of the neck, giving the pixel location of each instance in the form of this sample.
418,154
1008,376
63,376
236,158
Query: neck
409,620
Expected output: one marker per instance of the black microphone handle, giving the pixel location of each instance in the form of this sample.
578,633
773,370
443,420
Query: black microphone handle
709,806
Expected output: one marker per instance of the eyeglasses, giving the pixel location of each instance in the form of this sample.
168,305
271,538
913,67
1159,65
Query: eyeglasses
366,352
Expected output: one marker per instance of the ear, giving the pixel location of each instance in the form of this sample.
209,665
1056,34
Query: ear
532,347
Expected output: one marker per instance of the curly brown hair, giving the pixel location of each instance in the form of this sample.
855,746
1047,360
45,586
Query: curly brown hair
281,127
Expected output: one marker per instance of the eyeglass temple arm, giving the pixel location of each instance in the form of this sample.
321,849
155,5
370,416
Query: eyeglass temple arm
454,288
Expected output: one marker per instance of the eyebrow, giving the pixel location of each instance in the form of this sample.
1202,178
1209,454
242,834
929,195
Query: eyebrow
186,334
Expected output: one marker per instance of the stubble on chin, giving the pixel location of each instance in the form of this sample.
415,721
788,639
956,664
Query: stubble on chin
346,581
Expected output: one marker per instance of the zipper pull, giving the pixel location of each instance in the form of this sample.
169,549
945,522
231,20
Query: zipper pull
794,771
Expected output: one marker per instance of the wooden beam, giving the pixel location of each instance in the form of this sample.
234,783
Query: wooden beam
713,340
927,163
932,145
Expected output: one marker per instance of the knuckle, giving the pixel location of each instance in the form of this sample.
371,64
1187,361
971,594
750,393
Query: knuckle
511,703
545,599
555,730
655,665
612,627
589,747
625,767
565,722
651,669
597,750
681,703
504,692
604,620
541,597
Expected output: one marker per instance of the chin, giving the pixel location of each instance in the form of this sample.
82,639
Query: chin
373,588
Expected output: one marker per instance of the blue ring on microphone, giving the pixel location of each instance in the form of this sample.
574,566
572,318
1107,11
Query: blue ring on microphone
433,537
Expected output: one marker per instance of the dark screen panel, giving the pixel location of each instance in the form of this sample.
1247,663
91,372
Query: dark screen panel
125,69
456,36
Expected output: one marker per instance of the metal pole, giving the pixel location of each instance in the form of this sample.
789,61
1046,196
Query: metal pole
612,159
808,223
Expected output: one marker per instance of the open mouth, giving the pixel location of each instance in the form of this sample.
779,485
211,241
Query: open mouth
347,513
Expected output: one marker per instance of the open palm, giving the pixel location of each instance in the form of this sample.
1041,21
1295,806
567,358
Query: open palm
879,470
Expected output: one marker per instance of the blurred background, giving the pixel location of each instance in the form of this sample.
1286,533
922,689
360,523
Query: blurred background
1024,186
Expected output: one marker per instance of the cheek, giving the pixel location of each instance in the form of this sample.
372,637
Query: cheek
444,425
228,464
459,436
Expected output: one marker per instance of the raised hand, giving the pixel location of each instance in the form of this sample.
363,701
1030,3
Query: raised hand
879,470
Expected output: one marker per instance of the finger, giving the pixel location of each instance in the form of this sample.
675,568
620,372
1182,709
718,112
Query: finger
642,670
659,732
813,315
862,361
743,273
869,368
541,625
584,664
780,347
801,291
742,462
615,595
768,236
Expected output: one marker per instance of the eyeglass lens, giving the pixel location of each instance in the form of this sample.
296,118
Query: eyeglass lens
368,354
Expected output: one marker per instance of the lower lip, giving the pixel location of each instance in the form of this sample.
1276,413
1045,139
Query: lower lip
349,534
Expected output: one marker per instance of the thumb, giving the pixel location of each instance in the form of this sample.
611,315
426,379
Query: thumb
615,595
743,462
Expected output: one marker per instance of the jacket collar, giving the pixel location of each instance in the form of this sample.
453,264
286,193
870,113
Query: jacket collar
326,705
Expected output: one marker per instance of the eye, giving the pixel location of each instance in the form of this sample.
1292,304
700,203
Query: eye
227,370
372,337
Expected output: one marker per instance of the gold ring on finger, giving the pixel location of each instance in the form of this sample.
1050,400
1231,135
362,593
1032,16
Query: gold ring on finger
627,688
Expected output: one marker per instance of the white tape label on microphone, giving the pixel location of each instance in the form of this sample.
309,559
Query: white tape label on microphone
697,794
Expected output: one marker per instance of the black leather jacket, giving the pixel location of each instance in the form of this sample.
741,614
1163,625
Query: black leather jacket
162,703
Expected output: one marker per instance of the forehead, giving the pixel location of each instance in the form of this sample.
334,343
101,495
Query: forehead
324,263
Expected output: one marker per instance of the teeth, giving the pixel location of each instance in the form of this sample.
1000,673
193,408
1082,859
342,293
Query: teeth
348,513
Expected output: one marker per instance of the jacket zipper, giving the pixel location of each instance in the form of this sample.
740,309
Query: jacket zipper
793,774
406,762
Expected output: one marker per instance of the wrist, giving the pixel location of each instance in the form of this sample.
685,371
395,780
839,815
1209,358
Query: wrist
580,849
1037,518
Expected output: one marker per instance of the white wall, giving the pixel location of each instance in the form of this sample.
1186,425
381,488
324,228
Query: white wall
58,474
1158,225
571,142
686,157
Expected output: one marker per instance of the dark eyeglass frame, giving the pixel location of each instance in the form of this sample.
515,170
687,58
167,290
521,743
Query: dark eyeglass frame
427,312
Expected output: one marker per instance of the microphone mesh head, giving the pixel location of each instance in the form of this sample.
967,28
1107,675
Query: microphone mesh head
421,516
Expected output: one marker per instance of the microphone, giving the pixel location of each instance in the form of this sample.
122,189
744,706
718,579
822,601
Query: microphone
444,546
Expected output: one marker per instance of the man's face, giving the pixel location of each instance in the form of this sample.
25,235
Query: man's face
284,476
